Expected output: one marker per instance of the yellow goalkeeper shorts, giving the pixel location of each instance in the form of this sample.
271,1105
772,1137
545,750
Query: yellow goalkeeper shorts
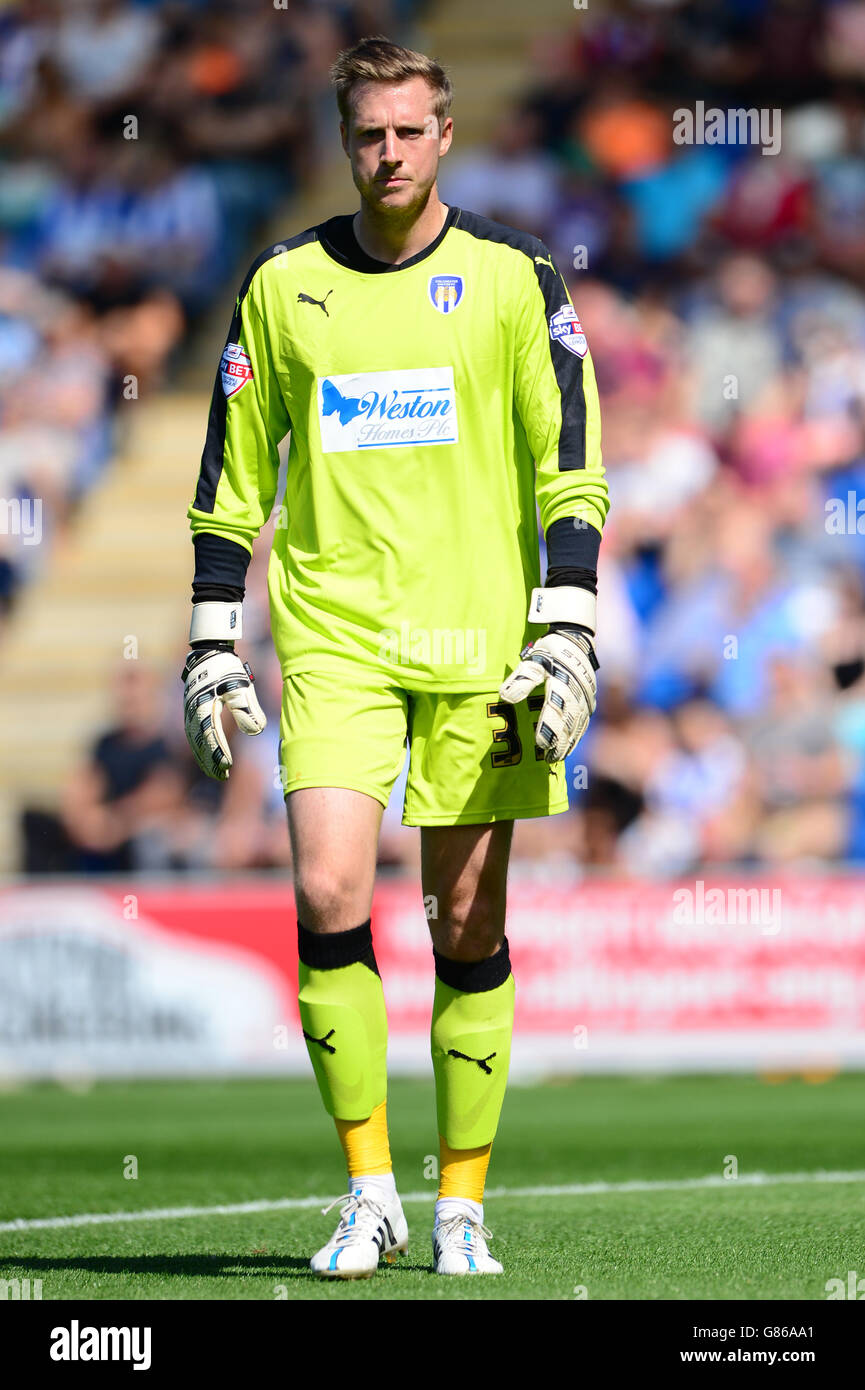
472,756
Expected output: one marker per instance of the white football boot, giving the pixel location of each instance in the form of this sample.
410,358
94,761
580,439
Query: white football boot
371,1225
460,1246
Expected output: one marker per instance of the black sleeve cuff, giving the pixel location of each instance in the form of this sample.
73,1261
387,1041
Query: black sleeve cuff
220,569
572,544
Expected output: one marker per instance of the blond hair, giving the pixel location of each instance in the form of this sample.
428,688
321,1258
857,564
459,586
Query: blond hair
376,59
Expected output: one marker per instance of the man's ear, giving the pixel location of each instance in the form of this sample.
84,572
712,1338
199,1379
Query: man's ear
343,135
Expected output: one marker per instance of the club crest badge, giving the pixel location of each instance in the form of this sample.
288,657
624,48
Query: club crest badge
235,369
565,328
445,291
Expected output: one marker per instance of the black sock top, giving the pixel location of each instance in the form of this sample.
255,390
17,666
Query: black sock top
474,976
334,950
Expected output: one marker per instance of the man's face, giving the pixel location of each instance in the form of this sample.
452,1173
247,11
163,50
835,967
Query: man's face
394,143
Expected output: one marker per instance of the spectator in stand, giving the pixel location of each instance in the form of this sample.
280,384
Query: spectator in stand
103,47
734,342
801,772
129,787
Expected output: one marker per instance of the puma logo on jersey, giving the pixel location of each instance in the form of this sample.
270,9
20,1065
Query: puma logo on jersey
308,299
544,260
479,1061
322,1042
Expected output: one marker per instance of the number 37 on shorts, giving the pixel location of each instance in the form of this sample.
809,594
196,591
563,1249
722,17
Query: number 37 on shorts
472,757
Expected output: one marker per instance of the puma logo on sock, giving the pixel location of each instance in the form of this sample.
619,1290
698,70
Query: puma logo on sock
479,1061
323,1042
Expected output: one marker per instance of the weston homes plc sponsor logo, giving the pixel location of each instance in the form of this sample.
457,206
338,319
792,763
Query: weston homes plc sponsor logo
381,410
77,1343
738,126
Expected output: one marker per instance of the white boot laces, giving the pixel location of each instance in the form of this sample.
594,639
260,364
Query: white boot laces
368,1211
448,1229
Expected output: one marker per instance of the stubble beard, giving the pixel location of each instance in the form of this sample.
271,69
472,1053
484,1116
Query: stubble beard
403,215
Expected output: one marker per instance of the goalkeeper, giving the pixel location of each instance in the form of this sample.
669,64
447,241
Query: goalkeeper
437,386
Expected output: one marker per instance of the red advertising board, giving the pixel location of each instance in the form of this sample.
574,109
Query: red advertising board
159,978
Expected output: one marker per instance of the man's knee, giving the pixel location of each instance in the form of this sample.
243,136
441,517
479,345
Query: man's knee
469,927
329,897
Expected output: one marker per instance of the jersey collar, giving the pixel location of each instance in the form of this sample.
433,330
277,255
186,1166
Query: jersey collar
340,243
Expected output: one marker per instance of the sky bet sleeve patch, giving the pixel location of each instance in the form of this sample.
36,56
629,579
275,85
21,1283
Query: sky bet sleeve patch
565,327
235,368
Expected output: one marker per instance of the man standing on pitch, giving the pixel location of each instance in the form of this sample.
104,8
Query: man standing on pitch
436,383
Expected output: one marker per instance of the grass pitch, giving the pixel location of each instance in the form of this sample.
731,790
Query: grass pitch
202,1145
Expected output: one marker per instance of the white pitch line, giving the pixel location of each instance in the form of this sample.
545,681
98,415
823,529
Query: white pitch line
586,1189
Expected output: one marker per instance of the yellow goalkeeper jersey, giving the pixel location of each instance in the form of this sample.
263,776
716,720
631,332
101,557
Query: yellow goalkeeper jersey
433,408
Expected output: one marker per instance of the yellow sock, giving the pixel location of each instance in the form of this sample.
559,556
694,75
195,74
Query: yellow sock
365,1143
463,1171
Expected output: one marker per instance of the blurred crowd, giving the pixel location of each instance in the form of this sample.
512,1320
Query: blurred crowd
722,291
143,144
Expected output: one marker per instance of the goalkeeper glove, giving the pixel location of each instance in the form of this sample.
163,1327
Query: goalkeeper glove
214,676
565,659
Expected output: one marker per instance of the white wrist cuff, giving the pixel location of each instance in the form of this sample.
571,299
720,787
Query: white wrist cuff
567,604
216,622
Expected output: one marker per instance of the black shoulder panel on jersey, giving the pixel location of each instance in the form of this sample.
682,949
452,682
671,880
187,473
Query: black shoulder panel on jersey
214,444
568,367
485,229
